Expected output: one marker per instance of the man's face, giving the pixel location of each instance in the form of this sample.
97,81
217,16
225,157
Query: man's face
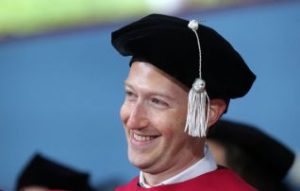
154,114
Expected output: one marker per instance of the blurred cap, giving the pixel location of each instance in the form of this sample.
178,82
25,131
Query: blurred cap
264,150
41,171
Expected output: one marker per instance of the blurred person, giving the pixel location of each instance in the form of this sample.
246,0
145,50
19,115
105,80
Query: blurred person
258,158
181,78
42,174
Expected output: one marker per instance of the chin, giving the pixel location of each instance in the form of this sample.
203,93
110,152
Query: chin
141,162
138,163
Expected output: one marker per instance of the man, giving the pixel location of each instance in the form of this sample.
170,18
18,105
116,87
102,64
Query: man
182,76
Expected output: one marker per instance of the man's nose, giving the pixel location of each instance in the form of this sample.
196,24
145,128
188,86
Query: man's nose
137,117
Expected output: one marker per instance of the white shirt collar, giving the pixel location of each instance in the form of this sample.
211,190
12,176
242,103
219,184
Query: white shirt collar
204,165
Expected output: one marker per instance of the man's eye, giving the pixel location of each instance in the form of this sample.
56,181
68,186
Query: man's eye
159,102
129,95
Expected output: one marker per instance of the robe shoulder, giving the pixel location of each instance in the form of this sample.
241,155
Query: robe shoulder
218,180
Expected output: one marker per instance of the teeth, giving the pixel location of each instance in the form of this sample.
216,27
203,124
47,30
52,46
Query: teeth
142,138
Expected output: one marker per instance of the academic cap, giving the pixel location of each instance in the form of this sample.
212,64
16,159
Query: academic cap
41,171
168,43
265,151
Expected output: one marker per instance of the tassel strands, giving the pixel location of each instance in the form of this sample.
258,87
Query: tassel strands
197,115
198,100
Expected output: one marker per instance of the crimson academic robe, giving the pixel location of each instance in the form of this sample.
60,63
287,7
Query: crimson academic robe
218,180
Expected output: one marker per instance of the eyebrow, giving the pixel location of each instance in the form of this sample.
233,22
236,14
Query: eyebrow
157,93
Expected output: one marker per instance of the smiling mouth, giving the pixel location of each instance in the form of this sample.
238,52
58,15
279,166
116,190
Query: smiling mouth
142,138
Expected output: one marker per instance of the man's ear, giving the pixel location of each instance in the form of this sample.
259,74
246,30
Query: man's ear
216,109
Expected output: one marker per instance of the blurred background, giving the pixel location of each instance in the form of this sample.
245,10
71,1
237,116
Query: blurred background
61,82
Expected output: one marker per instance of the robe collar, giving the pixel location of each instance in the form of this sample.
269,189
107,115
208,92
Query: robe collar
204,165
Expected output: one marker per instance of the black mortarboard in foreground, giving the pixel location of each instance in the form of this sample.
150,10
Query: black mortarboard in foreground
168,43
274,158
41,171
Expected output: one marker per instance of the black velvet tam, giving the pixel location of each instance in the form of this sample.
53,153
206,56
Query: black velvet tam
168,43
263,150
43,172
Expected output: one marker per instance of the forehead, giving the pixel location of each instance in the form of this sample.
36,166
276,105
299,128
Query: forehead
145,76
145,71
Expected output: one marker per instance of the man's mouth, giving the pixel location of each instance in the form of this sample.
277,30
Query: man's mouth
142,138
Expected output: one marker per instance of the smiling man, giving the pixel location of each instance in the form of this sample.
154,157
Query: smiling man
182,76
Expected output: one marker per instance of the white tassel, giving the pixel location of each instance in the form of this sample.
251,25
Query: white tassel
198,102
198,110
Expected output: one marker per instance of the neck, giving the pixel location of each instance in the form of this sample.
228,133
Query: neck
186,161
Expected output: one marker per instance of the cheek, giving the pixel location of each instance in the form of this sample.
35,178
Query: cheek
173,129
168,132
172,122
